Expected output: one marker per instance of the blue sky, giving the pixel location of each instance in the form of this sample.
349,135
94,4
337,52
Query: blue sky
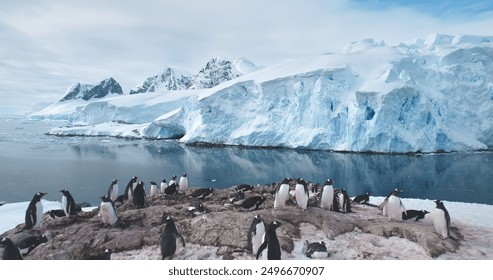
48,45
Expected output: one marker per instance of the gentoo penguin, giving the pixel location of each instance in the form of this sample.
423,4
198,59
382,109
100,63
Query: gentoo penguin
252,203
68,203
168,238
394,206
154,188
171,189
270,248
173,180
106,255
10,251
316,250
362,198
56,213
301,193
202,193
343,201
441,219
28,244
107,211
139,196
196,208
183,182
327,195
237,197
129,190
255,234
113,190
282,193
244,187
418,214
164,185
34,212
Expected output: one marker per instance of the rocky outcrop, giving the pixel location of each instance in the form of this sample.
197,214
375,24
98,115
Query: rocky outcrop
221,233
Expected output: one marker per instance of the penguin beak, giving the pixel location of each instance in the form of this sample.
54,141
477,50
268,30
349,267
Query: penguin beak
43,193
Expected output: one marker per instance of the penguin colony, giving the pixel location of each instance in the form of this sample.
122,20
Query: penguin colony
262,240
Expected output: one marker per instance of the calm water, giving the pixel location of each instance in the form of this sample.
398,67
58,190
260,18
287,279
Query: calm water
31,161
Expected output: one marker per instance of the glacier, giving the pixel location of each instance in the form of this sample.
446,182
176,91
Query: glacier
432,95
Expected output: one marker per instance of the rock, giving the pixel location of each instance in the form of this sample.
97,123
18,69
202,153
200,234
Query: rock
221,233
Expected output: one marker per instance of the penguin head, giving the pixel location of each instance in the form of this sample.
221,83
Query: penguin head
329,182
184,174
396,192
64,191
286,180
6,242
439,203
114,181
153,183
134,178
39,195
168,220
275,224
163,180
105,198
174,177
322,243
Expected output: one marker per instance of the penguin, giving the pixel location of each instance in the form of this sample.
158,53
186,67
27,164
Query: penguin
441,219
202,193
394,206
34,212
343,201
382,205
183,182
282,193
56,213
10,251
327,195
301,193
106,255
237,197
113,190
196,208
28,244
316,250
68,203
129,190
139,195
167,241
418,214
173,180
107,211
270,248
255,234
244,187
362,198
252,203
164,185
154,188
171,189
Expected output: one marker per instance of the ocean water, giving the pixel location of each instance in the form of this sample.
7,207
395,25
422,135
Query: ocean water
31,161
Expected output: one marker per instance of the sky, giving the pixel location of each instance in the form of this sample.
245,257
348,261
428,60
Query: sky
46,46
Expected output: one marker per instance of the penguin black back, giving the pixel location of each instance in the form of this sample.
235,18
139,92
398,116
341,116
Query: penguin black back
68,203
411,213
106,255
362,198
271,243
202,193
33,216
10,251
139,196
168,238
252,203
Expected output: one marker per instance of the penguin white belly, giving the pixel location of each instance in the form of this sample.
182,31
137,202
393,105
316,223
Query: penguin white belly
39,214
440,222
257,239
301,196
340,201
319,255
183,184
64,205
108,214
327,198
393,208
114,192
281,196
154,189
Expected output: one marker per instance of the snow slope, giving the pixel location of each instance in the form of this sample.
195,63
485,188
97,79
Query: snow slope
425,96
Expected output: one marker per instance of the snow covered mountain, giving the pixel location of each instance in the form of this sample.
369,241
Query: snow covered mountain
424,96
87,91
170,78
216,71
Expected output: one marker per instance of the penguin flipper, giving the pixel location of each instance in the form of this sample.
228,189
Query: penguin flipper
261,248
182,240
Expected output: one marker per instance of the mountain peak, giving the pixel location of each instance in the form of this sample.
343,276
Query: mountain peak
88,91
